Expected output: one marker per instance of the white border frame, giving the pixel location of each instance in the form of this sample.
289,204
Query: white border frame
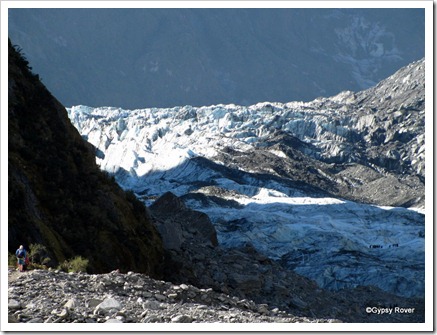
429,107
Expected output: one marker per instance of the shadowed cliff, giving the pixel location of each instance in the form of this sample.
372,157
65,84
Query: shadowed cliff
57,195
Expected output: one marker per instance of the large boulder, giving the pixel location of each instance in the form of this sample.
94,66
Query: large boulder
177,223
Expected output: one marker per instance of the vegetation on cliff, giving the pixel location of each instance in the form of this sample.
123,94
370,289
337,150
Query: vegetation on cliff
57,195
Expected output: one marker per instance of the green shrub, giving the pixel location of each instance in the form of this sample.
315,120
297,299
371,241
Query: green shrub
45,261
76,264
37,253
12,260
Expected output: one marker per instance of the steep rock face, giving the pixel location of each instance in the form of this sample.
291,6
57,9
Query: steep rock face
57,195
399,105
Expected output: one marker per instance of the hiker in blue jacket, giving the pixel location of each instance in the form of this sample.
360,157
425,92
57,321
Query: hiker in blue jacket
21,258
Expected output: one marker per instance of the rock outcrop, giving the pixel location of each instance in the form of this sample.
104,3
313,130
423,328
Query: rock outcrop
178,224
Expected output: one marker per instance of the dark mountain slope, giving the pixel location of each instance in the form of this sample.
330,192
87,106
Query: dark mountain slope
161,57
58,196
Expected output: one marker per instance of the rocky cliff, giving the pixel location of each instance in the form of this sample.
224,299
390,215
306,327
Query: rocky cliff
58,197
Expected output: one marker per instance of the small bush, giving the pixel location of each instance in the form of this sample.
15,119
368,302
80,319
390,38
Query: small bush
12,260
37,253
45,261
76,264
79,264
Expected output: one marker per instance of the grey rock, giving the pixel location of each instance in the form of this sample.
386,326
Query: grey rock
152,319
30,305
12,319
114,321
263,308
14,304
184,224
182,319
50,319
197,305
93,303
63,314
71,304
147,294
172,295
108,305
36,320
151,304
160,297
184,287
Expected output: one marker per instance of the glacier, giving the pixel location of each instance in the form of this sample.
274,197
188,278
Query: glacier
338,243
332,188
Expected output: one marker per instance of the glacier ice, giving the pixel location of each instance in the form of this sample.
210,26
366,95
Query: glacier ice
336,242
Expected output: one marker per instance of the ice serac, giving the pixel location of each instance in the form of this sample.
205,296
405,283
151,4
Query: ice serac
332,188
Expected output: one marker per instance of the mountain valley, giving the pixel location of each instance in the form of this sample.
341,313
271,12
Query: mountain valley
274,212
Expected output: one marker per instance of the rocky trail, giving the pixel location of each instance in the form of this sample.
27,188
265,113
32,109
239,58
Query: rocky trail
53,296
57,297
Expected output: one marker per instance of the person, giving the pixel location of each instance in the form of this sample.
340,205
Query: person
21,258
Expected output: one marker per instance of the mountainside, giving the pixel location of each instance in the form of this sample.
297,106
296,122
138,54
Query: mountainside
58,197
303,183
175,57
